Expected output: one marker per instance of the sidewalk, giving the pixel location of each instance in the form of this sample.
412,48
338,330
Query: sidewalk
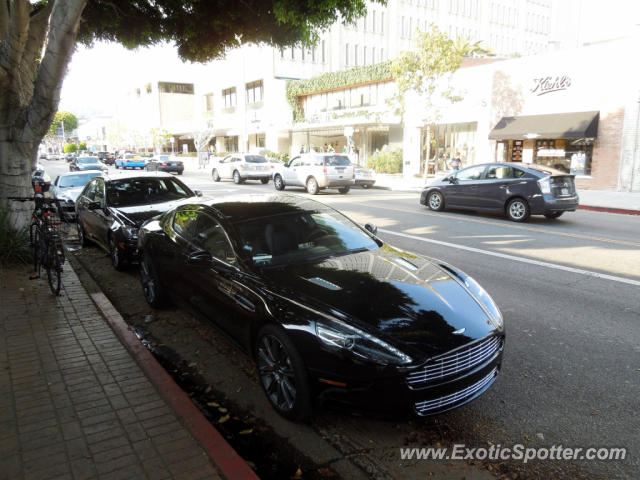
79,399
600,200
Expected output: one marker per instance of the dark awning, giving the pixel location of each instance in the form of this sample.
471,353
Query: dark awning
555,125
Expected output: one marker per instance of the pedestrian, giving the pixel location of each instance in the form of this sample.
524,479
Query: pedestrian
456,162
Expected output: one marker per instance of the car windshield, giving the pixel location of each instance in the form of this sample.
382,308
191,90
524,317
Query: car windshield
76,180
337,161
299,237
255,159
85,160
146,190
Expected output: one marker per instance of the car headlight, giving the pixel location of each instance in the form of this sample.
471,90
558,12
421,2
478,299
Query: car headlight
481,295
130,233
341,336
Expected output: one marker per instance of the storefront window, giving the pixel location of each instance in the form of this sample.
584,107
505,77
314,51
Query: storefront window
449,140
568,155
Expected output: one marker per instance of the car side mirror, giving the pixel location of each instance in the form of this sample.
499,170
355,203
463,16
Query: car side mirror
452,179
94,205
198,193
201,258
371,228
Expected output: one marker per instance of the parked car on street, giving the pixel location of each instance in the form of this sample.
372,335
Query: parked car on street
165,163
110,210
86,163
107,158
67,187
240,167
69,157
130,160
316,171
365,177
326,309
515,189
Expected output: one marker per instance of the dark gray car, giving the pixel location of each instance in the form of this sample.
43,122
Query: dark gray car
515,189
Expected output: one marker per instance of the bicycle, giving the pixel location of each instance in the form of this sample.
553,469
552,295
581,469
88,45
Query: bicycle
46,240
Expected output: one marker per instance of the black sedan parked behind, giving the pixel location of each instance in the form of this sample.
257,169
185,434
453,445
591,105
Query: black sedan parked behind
165,163
327,310
515,189
110,210
81,164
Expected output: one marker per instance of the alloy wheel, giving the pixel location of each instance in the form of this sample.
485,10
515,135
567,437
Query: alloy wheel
276,373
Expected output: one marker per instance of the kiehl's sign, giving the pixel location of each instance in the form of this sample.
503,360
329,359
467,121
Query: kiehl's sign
544,85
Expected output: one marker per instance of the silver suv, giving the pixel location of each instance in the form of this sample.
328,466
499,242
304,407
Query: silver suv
316,171
241,167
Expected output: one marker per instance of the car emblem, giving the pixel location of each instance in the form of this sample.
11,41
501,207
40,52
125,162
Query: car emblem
460,332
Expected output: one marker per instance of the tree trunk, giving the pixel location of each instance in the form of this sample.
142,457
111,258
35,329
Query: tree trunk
36,44
16,162
428,153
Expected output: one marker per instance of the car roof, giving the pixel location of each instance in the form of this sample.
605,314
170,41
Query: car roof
239,208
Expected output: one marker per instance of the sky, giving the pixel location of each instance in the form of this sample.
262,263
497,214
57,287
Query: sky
97,77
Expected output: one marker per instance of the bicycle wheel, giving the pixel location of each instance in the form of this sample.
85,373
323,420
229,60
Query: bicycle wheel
54,269
37,251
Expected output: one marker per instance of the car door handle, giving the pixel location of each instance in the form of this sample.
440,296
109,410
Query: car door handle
244,303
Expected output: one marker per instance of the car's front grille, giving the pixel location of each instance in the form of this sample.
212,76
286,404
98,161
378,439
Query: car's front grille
427,406
455,362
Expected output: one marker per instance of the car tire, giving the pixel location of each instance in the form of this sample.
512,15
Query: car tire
282,373
312,186
154,292
117,257
518,210
82,236
237,179
553,215
215,175
344,190
435,201
264,181
278,183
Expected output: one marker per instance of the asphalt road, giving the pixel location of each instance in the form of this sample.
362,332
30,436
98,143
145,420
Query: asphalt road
569,290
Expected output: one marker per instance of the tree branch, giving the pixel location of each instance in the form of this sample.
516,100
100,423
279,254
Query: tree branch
63,29
16,37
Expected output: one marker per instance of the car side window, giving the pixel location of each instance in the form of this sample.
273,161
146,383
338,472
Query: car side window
90,191
471,173
212,238
297,163
498,172
517,173
99,191
184,224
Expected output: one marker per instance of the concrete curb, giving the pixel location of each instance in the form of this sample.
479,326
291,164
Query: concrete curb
609,210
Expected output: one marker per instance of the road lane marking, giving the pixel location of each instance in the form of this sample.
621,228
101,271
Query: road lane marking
555,266
503,224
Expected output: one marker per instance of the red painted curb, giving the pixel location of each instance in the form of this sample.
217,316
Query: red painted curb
610,210
231,465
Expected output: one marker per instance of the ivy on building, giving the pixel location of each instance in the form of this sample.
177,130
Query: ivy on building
327,81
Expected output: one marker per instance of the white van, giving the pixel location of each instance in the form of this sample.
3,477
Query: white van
316,171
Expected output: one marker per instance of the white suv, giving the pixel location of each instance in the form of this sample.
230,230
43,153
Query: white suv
316,171
241,167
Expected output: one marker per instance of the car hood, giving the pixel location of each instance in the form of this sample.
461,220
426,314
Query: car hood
409,301
136,215
69,192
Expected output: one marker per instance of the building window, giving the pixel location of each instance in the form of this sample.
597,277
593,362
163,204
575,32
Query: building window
323,55
373,54
229,96
293,53
255,91
355,55
208,102
373,21
382,23
346,54
364,55
148,87
313,54
171,87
